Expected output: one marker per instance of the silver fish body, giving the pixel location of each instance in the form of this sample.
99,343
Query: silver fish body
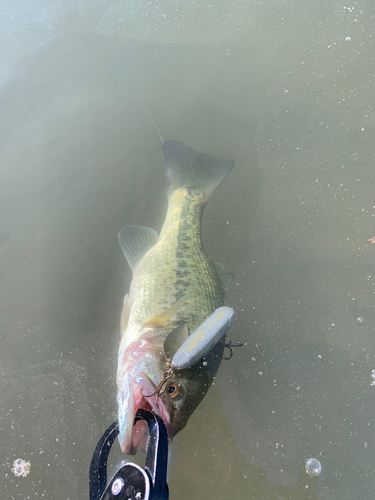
175,287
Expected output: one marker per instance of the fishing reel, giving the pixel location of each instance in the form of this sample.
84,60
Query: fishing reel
130,481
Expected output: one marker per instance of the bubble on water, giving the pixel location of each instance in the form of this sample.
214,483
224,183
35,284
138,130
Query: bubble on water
360,320
313,467
348,39
21,468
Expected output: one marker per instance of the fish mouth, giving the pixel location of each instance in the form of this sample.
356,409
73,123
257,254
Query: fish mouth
138,393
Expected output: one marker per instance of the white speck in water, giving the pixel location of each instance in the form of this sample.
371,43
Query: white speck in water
260,373
204,363
360,320
348,39
21,468
313,467
373,373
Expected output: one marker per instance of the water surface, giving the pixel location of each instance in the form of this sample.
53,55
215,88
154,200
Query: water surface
283,88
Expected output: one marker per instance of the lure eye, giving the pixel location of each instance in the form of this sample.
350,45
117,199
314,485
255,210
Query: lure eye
174,389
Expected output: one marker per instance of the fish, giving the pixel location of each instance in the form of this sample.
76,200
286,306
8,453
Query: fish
175,287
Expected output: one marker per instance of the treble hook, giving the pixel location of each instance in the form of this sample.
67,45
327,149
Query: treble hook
230,346
167,375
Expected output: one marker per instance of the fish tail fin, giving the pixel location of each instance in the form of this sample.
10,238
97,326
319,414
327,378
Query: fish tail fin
187,168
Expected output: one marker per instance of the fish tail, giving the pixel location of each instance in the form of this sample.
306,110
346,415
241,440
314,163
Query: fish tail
186,168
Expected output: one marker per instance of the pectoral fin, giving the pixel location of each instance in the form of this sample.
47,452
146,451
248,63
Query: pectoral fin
159,320
175,340
125,314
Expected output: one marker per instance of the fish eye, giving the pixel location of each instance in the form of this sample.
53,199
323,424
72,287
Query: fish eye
174,389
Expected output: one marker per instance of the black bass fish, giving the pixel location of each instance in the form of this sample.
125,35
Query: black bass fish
176,286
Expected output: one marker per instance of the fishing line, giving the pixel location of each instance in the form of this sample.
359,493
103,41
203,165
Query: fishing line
152,121
145,112
154,124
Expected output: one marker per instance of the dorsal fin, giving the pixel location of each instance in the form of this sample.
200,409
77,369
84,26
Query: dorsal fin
175,339
226,277
135,242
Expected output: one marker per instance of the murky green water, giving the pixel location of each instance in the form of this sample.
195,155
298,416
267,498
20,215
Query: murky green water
286,90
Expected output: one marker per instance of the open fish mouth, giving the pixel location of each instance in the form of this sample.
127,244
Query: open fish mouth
132,397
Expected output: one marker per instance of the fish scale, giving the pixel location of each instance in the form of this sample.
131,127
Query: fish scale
160,278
